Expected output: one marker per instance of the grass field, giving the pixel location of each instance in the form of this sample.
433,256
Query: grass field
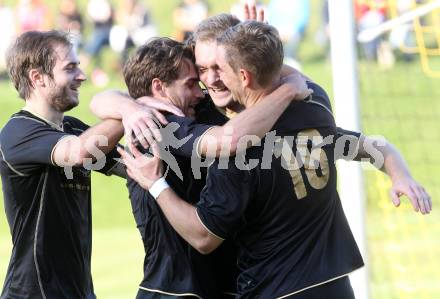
403,247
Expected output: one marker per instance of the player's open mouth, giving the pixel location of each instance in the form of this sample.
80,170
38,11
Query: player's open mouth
74,88
219,90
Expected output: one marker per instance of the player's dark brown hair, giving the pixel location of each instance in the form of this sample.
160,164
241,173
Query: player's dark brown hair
33,50
160,58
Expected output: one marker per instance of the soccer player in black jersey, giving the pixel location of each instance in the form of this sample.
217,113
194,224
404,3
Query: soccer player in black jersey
45,164
286,218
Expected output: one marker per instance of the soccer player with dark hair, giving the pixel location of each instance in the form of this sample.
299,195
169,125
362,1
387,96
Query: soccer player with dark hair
280,205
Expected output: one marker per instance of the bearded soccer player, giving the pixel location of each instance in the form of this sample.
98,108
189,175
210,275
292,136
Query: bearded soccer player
45,164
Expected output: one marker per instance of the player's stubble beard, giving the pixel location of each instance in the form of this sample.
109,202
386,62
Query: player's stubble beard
61,99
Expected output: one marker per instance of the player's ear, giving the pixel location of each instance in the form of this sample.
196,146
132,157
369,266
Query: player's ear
37,79
158,88
245,77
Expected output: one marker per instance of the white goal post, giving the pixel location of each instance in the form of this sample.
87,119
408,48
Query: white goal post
346,95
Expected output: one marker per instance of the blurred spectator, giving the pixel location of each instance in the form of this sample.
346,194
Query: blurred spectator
187,15
134,27
70,20
8,26
101,14
368,15
290,17
33,15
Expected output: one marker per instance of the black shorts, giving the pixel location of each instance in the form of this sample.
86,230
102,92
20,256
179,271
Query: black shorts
336,289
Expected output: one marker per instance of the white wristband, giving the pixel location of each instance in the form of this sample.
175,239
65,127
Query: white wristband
157,187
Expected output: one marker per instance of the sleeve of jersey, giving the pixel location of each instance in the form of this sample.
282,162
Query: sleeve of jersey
224,200
182,134
111,157
27,143
347,144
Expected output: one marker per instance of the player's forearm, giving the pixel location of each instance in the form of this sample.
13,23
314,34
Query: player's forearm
183,218
254,121
111,104
93,144
394,165
384,156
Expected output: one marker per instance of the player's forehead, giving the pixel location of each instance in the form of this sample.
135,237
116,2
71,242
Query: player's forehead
220,55
65,55
205,53
188,71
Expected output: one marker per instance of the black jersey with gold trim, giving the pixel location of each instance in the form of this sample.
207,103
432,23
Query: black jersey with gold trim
283,209
48,210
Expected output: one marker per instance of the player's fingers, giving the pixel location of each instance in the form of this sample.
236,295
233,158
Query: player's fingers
128,134
246,11
139,131
155,150
160,117
428,199
413,199
136,153
424,209
156,135
395,197
126,157
148,135
261,15
252,10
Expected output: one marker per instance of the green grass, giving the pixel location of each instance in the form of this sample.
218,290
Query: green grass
400,104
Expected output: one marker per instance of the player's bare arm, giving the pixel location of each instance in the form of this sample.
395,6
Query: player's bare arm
140,118
74,150
395,167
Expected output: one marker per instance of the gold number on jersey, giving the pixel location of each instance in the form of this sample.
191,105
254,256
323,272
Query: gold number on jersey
310,161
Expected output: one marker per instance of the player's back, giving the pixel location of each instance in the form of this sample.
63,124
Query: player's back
295,235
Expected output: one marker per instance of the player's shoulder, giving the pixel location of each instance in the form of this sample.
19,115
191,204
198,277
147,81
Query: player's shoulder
74,125
19,124
319,96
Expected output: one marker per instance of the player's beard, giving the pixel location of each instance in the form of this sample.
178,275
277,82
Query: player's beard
62,100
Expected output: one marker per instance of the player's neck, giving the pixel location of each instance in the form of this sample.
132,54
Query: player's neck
255,95
43,110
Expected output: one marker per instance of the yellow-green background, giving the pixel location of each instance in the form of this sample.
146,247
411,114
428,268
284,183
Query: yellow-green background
400,103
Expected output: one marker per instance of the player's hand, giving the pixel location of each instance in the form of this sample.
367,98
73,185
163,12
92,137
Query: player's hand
297,85
144,169
250,11
142,125
419,198
142,120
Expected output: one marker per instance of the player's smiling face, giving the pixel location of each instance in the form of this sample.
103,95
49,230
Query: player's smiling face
63,89
207,67
228,76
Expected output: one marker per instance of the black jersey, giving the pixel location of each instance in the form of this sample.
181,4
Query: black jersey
171,265
48,210
280,205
